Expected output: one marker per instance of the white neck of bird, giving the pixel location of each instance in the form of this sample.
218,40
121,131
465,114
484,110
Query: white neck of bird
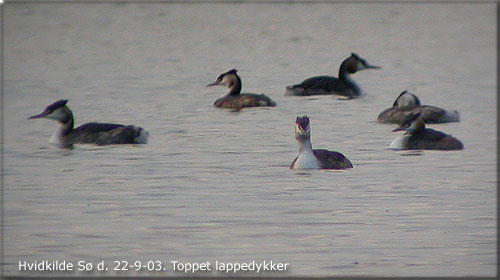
62,130
305,145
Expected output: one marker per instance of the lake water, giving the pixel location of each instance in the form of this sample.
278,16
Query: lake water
214,185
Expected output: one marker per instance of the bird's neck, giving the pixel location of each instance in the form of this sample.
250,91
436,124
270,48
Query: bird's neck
305,145
235,88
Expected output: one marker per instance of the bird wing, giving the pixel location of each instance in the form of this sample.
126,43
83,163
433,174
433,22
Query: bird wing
332,160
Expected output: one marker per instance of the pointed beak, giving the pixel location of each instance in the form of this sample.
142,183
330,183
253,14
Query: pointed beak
373,67
399,129
213,84
41,115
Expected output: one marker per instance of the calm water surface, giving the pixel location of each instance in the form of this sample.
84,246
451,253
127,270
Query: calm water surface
214,184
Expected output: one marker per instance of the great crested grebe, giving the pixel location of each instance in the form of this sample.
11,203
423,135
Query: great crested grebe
318,158
324,85
89,133
235,99
417,137
408,103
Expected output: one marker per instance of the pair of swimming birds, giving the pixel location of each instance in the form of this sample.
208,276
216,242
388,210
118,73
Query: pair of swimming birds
408,112
318,85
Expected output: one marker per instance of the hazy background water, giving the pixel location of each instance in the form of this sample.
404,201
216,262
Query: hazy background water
214,184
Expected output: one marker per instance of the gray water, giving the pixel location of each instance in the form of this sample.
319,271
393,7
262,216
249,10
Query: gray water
214,184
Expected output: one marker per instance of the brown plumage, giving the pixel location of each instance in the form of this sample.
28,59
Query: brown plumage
243,100
235,99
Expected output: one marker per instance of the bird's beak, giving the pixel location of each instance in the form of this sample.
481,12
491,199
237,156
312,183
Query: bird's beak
213,84
41,115
399,129
373,67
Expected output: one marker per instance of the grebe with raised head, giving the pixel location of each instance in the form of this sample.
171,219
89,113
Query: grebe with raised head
417,137
317,158
326,85
89,133
408,103
235,99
